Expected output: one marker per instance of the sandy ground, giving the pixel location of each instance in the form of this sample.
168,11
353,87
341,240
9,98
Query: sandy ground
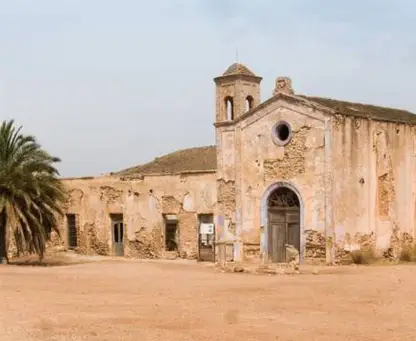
133,300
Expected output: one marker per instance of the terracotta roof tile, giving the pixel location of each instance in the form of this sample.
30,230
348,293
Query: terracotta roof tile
364,110
238,69
197,159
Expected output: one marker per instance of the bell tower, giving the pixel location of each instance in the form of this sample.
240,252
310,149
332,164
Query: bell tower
237,91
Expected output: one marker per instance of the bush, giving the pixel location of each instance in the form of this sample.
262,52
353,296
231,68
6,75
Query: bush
408,254
363,256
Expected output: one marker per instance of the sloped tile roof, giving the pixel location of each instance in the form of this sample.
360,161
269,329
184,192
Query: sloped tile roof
364,110
197,159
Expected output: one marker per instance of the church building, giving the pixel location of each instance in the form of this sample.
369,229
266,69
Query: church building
323,175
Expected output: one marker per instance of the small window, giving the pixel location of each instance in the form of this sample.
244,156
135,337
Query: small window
281,133
71,220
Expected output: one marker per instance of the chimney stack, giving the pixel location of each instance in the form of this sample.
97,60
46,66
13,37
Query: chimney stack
283,85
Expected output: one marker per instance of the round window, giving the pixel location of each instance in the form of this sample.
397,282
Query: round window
281,133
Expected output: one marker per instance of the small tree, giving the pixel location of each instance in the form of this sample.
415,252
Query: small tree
31,195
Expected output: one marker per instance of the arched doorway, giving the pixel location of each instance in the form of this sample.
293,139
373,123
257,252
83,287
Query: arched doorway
283,217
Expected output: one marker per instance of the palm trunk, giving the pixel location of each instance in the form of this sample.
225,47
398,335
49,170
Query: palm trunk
3,238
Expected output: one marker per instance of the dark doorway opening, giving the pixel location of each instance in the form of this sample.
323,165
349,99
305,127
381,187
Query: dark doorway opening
171,236
117,230
171,233
71,223
206,238
283,223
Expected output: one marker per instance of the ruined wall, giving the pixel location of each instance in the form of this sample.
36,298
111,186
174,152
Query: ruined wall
142,203
249,162
225,176
374,186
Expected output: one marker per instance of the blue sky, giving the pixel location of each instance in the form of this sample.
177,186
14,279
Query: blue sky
107,84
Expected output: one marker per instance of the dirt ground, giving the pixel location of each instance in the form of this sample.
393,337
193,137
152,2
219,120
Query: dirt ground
134,300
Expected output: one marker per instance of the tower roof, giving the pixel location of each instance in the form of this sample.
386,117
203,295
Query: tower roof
238,69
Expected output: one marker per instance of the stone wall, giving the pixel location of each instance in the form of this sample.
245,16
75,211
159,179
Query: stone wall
374,186
355,176
143,203
251,162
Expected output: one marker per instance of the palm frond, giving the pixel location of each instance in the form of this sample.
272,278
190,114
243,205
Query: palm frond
31,195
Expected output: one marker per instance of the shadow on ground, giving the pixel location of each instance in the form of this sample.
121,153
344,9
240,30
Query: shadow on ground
52,259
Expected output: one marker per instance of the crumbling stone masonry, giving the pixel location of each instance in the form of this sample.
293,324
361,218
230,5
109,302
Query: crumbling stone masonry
329,178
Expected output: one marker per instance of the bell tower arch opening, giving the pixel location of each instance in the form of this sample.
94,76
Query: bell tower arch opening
229,105
249,103
237,91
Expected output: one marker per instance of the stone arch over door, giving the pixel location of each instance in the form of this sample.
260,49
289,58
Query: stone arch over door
281,206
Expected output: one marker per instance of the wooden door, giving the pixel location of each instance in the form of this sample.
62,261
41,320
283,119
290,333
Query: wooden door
284,228
277,236
118,235
293,228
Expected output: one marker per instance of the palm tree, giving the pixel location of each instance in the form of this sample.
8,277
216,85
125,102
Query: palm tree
31,194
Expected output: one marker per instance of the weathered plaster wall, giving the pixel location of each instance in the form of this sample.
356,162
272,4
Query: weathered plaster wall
356,178
225,176
374,185
251,162
142,203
